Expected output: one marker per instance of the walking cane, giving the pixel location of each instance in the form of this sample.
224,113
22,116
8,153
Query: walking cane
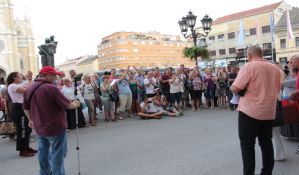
77,122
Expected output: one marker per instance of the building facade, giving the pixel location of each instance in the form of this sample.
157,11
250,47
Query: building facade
89,64
223,41
17,47
83,64
123,49
286,47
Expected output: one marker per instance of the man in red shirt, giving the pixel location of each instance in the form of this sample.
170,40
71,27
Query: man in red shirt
45,106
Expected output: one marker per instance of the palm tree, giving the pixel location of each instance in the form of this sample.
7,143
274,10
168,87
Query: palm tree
194,52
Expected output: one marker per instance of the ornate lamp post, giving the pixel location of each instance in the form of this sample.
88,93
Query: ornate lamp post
189,21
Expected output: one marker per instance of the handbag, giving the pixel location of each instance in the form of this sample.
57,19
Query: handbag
7,128
114,95
290,110
203,87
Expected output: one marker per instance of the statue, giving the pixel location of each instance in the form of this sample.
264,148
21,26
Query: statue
47,51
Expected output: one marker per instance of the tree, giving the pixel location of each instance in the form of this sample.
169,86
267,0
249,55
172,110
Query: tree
191,52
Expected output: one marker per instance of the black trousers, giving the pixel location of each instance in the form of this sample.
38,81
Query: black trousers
71,118
249,130
23,130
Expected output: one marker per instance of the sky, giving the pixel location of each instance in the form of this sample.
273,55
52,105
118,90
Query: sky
79,25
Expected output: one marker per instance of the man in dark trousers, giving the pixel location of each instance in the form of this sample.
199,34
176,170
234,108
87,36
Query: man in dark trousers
257,107
45,107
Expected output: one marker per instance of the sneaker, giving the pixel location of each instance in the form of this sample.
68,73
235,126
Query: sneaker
130,116
26,154
120,118
297,150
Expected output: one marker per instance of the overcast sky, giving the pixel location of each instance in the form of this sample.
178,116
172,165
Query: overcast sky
79,25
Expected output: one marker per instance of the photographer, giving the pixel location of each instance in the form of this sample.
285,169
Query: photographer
175,90
148,110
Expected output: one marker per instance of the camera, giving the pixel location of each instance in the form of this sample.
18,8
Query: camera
78,77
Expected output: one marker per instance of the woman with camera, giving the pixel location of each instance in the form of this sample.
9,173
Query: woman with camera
109,105
16,91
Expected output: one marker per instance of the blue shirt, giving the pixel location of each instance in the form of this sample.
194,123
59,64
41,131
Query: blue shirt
123,87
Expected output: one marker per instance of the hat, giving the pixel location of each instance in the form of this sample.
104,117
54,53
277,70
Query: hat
49,70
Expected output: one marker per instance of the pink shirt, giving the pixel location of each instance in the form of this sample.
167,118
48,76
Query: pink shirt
262,80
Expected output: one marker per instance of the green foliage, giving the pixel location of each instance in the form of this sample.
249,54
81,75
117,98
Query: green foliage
190,52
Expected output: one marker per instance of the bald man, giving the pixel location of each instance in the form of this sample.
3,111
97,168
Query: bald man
257,107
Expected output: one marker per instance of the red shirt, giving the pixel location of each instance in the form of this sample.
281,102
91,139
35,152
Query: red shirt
47,108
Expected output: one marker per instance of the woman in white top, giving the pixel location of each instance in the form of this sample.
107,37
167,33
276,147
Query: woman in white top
150,83
68,91
16,90
87,91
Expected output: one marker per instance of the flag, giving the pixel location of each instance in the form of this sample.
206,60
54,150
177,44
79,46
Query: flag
272,27
289,26
257,28
241,36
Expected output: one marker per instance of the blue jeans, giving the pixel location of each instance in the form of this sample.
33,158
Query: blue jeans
51,153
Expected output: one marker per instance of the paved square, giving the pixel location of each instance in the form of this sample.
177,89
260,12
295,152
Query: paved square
200,143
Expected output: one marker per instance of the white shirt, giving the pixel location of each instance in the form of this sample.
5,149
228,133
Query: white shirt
14,95
150,89
88,92
175,86
149,107
68,92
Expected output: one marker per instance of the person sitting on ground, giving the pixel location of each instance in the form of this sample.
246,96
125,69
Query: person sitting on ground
169,110
166,107
149,111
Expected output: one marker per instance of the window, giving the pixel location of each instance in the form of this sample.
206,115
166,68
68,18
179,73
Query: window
221,37
265,29
267,47
282,43
252,31
221,51
135,50
297,41
231,35
212,38
232,50
212,53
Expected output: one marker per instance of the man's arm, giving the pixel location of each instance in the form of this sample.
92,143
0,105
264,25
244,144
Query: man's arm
235,89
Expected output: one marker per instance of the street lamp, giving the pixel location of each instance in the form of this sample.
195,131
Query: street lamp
189,21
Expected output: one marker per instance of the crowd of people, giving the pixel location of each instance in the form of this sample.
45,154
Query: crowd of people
148,94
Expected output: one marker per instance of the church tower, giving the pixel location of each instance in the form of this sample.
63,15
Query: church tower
16,42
